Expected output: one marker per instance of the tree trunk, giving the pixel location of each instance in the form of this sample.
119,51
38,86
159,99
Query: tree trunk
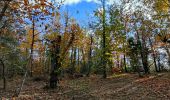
83,62
3,75
168,52
89,57
56,63
143,51
124,50
71,59
159,64
124,58
32,47
74,61
167,48
144,55
78,59
117,56
154,56
2,13
104,40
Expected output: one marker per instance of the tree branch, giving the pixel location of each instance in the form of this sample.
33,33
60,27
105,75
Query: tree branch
4,9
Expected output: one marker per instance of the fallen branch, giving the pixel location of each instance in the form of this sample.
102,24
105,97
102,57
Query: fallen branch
18,91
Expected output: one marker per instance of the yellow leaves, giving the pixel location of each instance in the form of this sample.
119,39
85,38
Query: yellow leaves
158,38
41,47
53,14
46,12
14,6
161,6
51,36
29,36
36,6
66,37
28,40
57,14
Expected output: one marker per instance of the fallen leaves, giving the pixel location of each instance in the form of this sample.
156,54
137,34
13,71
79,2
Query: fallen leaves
127,86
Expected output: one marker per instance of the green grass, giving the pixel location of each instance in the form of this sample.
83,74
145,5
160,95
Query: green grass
117,75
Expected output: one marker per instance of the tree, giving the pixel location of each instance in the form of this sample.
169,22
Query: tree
90,56
8,51
134,54
104,39
161,7
118,31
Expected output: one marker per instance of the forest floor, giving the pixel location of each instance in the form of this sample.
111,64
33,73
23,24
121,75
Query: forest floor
115,87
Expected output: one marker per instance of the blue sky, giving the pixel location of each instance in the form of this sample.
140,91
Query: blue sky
80,10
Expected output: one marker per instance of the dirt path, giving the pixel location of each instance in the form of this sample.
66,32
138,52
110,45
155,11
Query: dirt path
123,87
147,88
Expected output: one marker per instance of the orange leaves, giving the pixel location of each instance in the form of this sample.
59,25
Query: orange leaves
14,6
26,9
116,70
46,12
36,6
43,2
162,37
26,2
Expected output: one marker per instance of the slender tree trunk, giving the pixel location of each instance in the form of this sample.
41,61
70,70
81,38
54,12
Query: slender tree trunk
159,64
117,56
167,48
78,60
71,58
124,59
2,13
124,51
3,75
48,64
143,53
74,61
32,47
121,63
168,52
104,40
83,60
154,56
89,57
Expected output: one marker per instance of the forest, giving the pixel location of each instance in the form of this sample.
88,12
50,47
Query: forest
122,53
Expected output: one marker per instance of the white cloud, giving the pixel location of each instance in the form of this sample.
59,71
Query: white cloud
112,2
96,1
70,2
109,2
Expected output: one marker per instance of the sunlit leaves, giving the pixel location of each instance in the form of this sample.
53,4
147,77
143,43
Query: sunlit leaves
161,5
27,40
